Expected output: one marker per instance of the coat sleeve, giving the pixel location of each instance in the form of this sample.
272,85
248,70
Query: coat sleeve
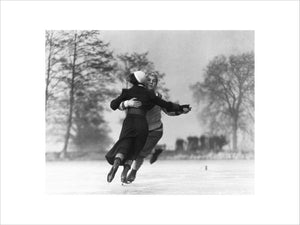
169,106
172,113
117,101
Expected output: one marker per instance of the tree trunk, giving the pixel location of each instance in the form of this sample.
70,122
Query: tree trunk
69,121
48,80
48,71
234,134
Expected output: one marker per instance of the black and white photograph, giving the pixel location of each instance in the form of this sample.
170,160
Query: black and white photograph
149,112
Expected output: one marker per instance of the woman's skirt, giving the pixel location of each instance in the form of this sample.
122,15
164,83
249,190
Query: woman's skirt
132,139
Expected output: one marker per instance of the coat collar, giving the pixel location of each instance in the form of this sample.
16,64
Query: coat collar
142,85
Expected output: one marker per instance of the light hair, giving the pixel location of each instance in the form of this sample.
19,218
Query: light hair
155,75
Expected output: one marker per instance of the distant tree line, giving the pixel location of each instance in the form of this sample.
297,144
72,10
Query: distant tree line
204,143
81,77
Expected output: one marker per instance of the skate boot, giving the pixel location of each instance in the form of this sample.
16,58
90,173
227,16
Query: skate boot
113,170
131,176
155,155
124,173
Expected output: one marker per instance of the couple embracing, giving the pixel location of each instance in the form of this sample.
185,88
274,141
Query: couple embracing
142,128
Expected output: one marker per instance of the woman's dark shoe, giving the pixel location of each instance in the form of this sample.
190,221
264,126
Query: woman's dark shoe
124,173
131,176
113,170
155,155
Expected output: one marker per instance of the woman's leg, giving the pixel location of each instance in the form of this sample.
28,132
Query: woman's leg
126,168
121,150
118,159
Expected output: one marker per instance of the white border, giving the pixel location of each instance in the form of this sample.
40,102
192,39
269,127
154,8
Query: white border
276,26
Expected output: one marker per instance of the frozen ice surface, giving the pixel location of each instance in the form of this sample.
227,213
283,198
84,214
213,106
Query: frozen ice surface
165,177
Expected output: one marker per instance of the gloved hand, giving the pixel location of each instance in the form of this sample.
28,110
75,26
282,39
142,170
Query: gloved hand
132,103
185,108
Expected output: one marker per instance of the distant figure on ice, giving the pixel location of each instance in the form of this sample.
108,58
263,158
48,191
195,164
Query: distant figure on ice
135,127
155,125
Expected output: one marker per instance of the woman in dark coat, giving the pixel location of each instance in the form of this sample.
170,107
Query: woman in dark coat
135,128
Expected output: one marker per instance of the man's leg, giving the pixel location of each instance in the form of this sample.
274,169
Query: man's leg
152,140
136,166
138,163
126,168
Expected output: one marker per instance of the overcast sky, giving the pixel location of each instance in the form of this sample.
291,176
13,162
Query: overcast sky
182,56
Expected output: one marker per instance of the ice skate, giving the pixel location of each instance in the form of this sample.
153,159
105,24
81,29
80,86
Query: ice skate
155,155
131,176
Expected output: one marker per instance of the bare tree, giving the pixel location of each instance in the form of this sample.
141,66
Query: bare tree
53,60
87,68
227,94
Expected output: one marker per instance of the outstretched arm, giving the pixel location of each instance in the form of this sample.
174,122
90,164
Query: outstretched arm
169,108
185,110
